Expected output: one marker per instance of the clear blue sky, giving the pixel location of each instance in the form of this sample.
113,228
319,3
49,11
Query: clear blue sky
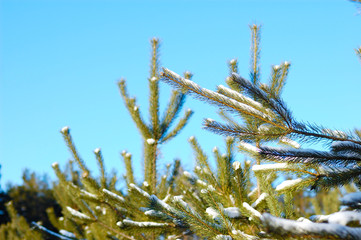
60,61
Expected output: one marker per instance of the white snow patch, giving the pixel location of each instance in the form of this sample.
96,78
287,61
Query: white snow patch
285,185
153,79
88,194
232,199
233,61
249,147
55,164
150,141
345,217
223,237
128,155
67,234
97,150
236,165
204,191
113,195
77,214
187,174
144,193
201,183
290,142
65,129
143,224
259,200
191,138
135,108
212,212
145,184
302,219
233,212
252,192
252,210
273,166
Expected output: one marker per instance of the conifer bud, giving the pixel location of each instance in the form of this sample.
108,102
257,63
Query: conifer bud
233,61
154,40
187,174
191,139
236,165
65,130
276,67
85,174
228,80
150,141
55,164
229,138
128,155
215,149
287,63
188,74
97,150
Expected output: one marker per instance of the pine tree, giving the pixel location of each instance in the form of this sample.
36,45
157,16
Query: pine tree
266,196
267,119
93,208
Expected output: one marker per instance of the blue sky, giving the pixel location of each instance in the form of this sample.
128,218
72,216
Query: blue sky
60,61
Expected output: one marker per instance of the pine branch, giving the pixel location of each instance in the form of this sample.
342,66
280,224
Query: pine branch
240,131
127,157
255,53
308,156
181,124
65,131
175,103
100,161
214,98
290,228
134,110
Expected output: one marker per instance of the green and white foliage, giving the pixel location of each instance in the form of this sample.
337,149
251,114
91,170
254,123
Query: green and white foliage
158,131
265,118
17,228
92,206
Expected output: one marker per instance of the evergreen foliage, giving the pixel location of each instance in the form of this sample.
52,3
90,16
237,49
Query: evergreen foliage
92,207
265,119
263,197
32,198
158,131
